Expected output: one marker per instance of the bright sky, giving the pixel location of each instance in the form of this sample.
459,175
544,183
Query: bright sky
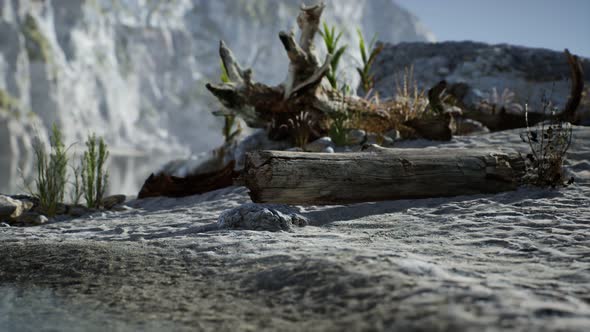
552,24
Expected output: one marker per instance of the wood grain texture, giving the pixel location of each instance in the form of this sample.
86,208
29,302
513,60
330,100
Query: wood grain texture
379,174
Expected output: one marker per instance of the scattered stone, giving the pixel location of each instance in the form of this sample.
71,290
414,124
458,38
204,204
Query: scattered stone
383,140
356,137
8,206
261,217
387,142
394,134
78,211
110,201
121,208
31,219
328,150
4,225
319,145
469,127
12,208
61,209
295,149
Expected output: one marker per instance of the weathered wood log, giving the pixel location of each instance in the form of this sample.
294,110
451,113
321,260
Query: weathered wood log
378,174
166,185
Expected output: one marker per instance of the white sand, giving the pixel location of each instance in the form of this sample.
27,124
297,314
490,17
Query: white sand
516,261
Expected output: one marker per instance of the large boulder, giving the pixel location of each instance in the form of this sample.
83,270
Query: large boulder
528,72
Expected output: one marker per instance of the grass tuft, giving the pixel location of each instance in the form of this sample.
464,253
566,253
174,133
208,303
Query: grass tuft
94,177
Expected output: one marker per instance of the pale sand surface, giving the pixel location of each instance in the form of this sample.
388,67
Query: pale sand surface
513,261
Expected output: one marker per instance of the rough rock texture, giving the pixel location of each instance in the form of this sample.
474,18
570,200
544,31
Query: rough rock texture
134,71
12,208
261,217
527,71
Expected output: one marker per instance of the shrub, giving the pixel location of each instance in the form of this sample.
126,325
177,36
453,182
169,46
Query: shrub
51,173
368,55
331,42
94,177
410,101
549,143
504,102
300,127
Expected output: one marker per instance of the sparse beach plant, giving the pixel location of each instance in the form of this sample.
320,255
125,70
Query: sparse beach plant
339,122
368,54
76,192
331,40
94,176
411,102
51,173
229,120
549,142
300,127
501,102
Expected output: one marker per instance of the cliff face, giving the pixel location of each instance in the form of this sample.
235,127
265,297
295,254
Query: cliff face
134,71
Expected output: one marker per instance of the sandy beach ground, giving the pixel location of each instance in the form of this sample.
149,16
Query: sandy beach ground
512,261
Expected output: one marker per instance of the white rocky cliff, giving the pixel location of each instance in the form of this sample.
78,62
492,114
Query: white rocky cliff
134,71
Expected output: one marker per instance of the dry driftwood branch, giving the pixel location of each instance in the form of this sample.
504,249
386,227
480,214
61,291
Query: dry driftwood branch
304,90
577,88
504,120
378,174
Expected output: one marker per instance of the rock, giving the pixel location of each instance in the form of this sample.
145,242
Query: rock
31,219
121,208
78,210
320,145
12,208
383,140
328,150
295,149
261,217
110,201
4,225
474,69
356,137
393,134
468,127
8,207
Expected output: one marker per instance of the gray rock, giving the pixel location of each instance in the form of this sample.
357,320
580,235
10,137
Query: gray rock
12,208
469,127
529,72
383,140
31,219
8,207
110,201
295,149
260,217
328,150
78,210
356,137
320,145
4,225
394,135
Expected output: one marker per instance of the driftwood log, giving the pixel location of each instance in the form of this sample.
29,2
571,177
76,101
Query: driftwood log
378,174
167,185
